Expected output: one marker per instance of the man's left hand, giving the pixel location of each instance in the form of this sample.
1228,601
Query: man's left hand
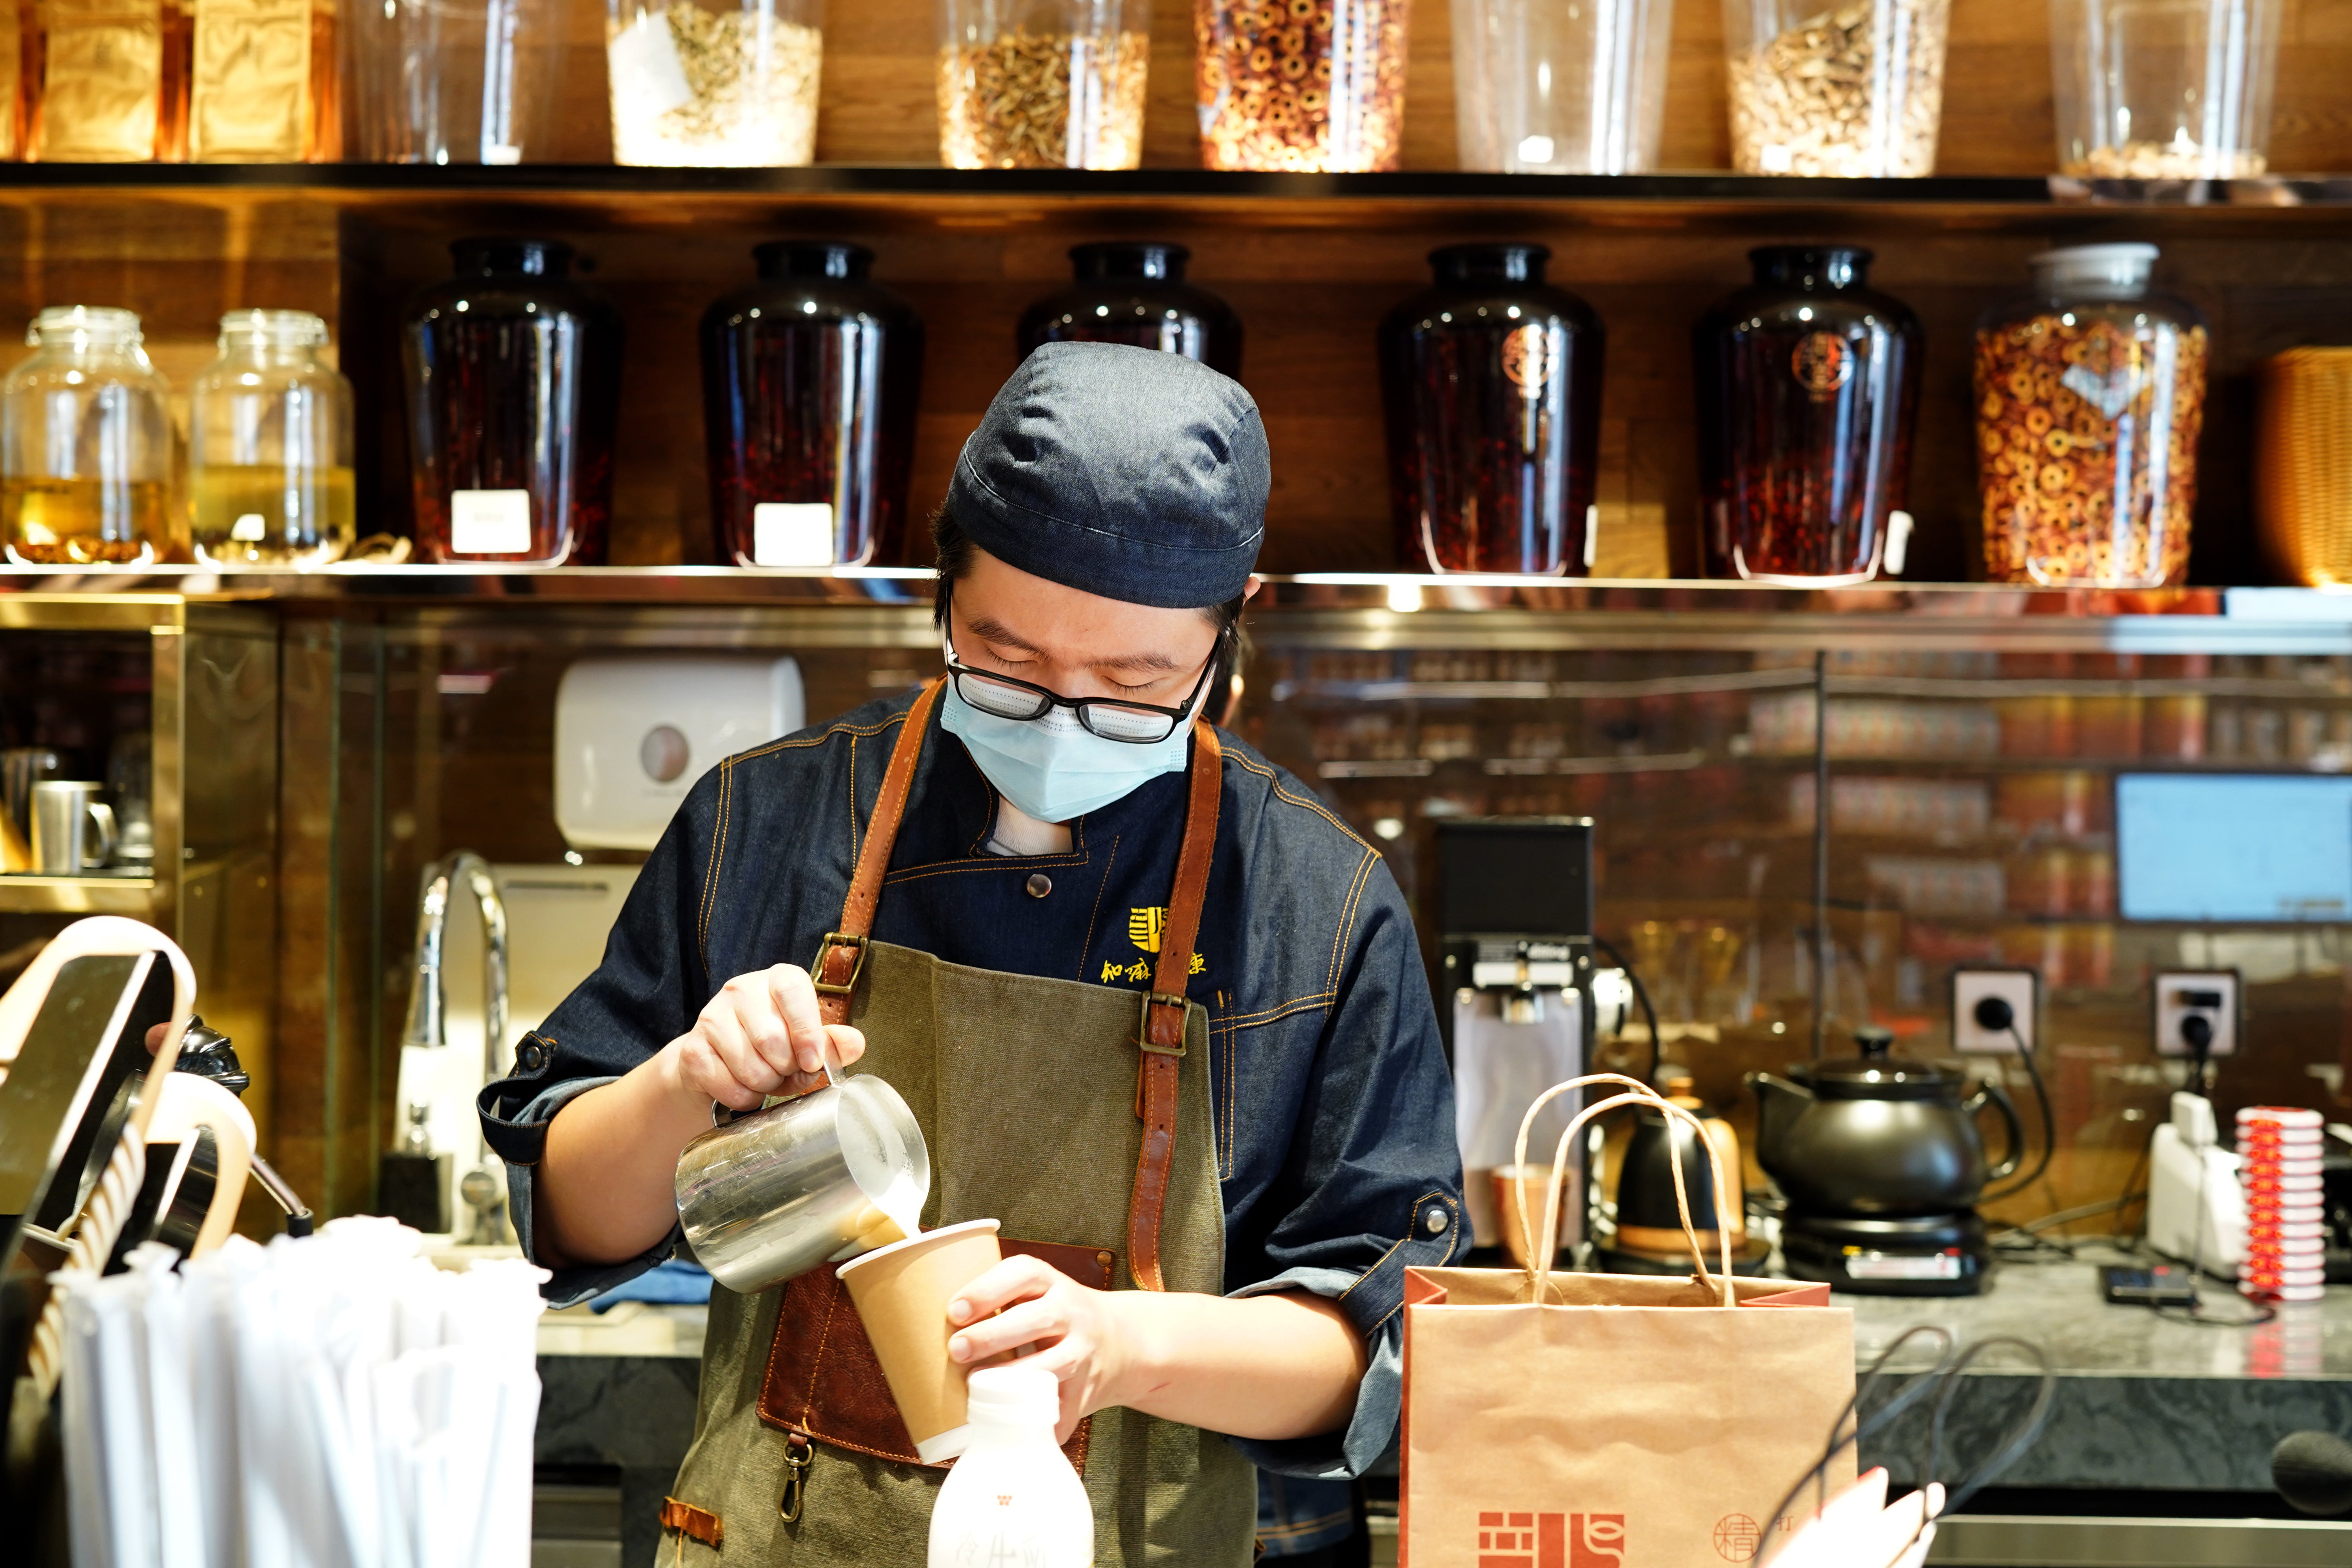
1076,1333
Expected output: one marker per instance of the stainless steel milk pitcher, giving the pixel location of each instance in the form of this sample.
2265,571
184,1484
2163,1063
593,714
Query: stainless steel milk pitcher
838,1171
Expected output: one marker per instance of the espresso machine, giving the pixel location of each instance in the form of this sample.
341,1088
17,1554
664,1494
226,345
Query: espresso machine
1515,918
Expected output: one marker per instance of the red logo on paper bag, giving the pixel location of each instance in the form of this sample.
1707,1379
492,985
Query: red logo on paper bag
1737,1536
1551,1539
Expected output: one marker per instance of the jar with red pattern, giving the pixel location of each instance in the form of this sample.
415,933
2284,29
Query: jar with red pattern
1807,389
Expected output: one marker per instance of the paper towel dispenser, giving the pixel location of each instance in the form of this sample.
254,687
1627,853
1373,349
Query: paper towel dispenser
632,734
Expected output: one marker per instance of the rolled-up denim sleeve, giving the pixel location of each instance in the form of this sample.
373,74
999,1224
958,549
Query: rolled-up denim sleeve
1376,1183
571,1286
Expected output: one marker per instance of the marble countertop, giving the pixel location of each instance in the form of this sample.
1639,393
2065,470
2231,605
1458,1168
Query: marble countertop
2058,1307
2144,1401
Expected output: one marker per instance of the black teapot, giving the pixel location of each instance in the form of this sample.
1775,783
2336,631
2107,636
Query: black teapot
1878,1135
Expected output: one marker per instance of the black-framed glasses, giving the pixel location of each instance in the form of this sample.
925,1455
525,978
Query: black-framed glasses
1112,717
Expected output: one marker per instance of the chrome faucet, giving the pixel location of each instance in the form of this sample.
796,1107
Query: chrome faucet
428,1001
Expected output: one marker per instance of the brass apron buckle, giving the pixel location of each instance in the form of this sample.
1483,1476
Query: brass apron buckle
1143,1030
833,939
799,1453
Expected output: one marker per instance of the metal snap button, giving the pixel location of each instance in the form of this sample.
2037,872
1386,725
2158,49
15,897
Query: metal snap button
1039,884
533,1055
1434,1222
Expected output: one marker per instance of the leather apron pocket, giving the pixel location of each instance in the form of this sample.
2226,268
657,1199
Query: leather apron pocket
823,1380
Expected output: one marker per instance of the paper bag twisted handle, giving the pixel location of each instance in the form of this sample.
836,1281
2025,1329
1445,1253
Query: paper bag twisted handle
1638,1093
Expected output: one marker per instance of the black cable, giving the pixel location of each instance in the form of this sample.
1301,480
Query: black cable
2049,1123
1641,994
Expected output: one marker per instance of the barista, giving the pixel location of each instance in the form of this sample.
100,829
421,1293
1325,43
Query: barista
1158,1010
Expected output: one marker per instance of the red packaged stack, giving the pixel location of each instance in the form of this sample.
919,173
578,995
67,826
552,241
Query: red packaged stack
2278,1156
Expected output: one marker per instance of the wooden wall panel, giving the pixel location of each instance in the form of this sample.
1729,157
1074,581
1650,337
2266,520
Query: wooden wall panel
879,105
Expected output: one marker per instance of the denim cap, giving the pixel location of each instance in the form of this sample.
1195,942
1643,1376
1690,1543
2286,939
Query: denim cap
1122,471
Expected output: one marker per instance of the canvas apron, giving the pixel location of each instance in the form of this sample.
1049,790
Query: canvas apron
1065,1111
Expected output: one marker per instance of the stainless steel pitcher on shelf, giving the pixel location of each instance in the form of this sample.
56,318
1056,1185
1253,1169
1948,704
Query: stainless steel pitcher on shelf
773,1194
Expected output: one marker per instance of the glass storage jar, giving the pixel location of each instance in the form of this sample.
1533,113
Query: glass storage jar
106,82
810,381
1042,84
85,445
1544,87
1846,88
714,84
452,81
1491,382
1808,388
514,387
264,84
2163,89
2090,395
269,446
1133,291
1312,86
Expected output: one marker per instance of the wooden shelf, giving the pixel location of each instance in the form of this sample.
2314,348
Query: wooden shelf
132,896
883,198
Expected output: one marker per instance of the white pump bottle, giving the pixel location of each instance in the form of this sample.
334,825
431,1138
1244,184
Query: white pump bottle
1013,1500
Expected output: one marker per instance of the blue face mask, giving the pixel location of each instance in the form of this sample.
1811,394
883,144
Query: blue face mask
1054,768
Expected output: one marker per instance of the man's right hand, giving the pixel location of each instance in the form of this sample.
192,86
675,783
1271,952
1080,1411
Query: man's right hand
761,1036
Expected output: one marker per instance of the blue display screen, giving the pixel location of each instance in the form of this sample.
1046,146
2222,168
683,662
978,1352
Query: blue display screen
2236,848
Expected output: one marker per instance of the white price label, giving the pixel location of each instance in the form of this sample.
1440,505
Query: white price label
1902,1265
490,522
648,75
792,533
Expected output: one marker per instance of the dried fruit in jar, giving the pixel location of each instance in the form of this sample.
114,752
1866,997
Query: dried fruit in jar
1005,103
692,88
1854,92
1307,86
2086,447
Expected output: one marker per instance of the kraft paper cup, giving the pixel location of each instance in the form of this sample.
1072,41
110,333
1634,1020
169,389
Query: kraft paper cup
902,1293
1537,1183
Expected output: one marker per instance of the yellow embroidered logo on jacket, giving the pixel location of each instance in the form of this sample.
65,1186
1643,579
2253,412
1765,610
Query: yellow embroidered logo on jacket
1144,926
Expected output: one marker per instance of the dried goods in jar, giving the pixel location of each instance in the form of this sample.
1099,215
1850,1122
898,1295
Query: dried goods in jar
696,87
2088,410
2166,160
1007,101
1310,86
1855,91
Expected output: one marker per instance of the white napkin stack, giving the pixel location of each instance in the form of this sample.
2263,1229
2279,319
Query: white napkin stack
334,1401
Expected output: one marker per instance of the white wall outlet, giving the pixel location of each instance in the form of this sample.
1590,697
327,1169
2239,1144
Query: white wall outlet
2214,996
2021,988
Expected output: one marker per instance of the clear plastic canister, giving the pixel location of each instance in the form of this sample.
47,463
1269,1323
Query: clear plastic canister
85,445
2090,395
1042,84
1546,88
269,446
1853,90
2164,91
1308,86
714,83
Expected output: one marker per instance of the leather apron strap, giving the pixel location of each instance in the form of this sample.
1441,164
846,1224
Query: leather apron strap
1160,1035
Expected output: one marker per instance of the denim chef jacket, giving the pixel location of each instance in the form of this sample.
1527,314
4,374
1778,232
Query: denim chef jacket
1334,1110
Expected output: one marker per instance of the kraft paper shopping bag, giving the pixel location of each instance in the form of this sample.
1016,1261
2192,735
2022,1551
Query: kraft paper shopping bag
1563,1420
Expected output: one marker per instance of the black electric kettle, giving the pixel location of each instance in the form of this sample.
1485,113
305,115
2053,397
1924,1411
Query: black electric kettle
1878,1135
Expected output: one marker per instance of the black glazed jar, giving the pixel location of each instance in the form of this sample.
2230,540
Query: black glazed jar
1807,389
1491,381
1133,291
513,371
810,381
